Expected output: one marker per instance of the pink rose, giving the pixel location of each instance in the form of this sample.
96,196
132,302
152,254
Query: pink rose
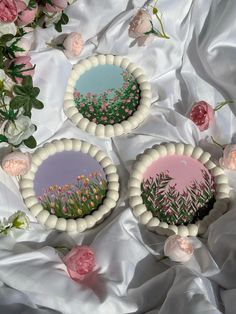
80,261
202,114
25,16
25,44
8,11
228,161
73,45
57,6
139,25
178,249
27,68
16,163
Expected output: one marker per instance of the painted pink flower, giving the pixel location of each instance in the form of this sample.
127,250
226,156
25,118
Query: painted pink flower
76,94
112,121
25,15
57,6
8,11
91,109
27,67
94,120
178,249
84,199
134,87
103,118
228,161
126,110
88,95
202,114
16,163
80,261
73,45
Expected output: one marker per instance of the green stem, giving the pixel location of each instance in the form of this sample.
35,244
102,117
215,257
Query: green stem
56,46
162,28
222,104
214,141
5,228
162,258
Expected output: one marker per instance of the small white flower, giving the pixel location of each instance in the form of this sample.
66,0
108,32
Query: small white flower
8,28
19,220
19,130
7,81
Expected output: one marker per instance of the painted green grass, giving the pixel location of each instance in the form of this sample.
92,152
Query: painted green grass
112,106
75,200
171,206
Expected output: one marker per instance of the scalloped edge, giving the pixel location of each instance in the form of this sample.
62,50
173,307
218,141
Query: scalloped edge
70,225
145,217
100,130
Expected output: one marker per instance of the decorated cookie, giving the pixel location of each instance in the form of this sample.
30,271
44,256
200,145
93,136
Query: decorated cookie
72,185
176,188
107,96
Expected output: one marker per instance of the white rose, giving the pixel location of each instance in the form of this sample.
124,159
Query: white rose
178,249
7,81
7,28
19,220
19,130
52,18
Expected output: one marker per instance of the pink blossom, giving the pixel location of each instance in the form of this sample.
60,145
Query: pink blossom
88,95
103,118
91,109
80,261
228,161
25,15
178,248
8,11
112,121
57,6
27,67
76,94
16,163
84,199
73,45
202,114
133,87
126,110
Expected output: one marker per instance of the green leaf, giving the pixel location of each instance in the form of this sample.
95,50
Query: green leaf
27,81
20,101
58,27
30,142
64,19
34,92
19,90
37,104
3,138
5,38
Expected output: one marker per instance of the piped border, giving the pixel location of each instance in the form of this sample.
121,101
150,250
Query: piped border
62,224
109,130
146,217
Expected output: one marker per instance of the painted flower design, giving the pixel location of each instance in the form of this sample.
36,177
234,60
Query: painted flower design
112,106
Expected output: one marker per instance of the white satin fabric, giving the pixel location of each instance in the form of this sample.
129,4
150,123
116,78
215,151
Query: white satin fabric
196,63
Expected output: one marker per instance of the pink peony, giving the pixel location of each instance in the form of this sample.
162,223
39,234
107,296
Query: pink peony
27,68
80,261
73,45
228,161
57,6
202,114
139,25
8,11
25,15
16,163
178,249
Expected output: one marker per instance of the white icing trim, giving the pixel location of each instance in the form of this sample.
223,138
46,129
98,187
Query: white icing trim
139,208
69,225
107,130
